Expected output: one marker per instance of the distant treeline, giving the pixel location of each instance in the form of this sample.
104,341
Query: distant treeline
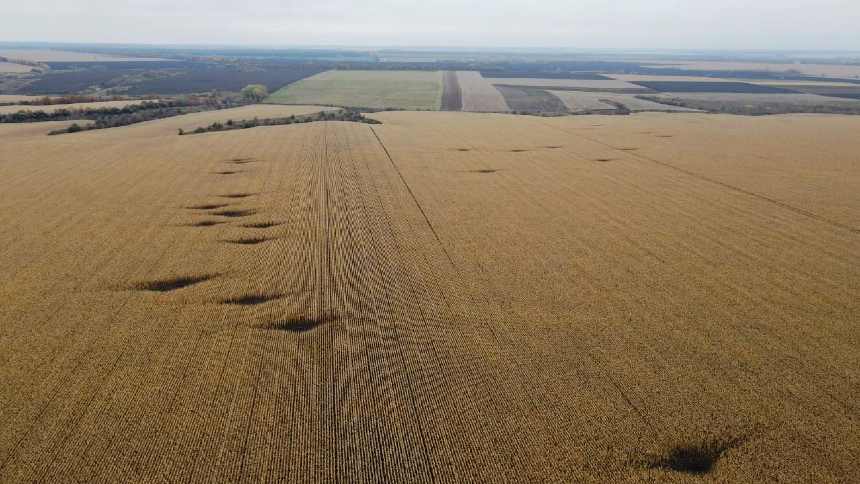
143,111
342,115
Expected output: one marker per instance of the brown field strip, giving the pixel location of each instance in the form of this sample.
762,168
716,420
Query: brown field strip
444,297
452,95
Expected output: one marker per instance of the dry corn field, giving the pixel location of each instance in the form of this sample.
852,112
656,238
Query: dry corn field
444,297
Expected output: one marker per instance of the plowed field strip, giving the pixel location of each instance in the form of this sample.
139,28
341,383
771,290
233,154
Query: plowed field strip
452,95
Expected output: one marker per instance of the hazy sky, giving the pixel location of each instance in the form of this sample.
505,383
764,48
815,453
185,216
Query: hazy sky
682,24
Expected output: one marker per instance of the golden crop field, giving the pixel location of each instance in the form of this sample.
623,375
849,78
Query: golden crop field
444,297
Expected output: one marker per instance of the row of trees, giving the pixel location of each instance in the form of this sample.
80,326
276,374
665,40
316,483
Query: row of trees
342,115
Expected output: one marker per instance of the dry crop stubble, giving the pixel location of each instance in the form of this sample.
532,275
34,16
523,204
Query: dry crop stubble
408,318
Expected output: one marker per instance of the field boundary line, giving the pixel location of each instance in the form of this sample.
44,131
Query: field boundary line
785,205
412,194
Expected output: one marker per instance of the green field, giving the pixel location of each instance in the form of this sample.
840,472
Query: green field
367,89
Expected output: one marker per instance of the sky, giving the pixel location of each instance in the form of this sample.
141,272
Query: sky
621,24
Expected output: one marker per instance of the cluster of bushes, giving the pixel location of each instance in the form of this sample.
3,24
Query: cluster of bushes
343,115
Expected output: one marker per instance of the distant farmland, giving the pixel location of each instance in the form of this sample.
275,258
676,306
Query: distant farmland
369,89
712,86
532,100
580,101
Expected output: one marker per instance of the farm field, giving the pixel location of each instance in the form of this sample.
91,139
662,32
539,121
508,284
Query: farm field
367,89
532,100
479,95
711,87
581,101
820,70
69,107
760,103
445,296
452,93
633,78
609,84
13,68
15,98
51,55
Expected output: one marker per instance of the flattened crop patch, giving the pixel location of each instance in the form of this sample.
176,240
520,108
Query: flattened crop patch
172,284
693,458
262,225
210,206
251,299
295,325
235,213
249,240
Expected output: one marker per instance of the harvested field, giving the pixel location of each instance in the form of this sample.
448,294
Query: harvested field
712,86
452,95
12,68
844,91
567,83
479,95
50,55
366,89
445,297
579,101
745,103
15,98
69,107
634,78
820,70
537,74
532,100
